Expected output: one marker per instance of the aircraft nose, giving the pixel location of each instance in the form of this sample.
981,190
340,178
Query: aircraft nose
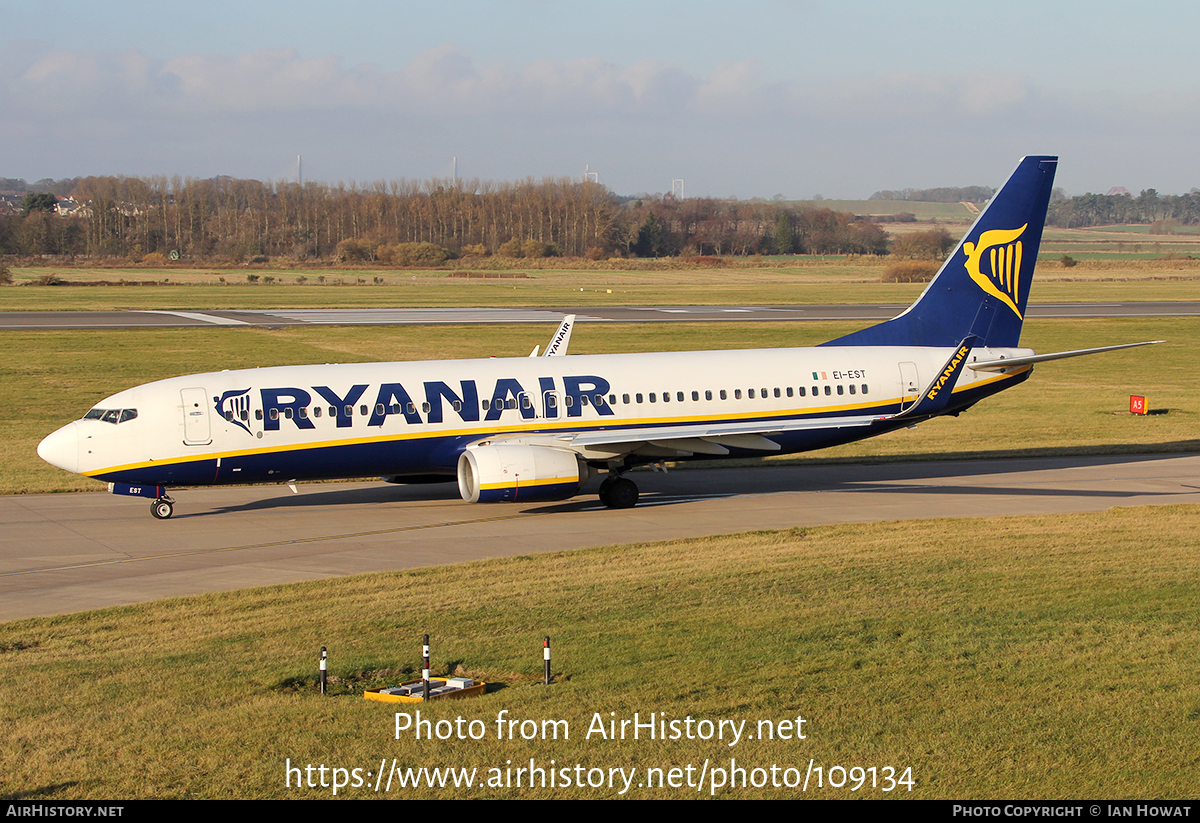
62,448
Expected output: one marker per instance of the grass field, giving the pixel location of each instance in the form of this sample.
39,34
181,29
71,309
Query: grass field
1025,657
1113,278
1075,406
1035,657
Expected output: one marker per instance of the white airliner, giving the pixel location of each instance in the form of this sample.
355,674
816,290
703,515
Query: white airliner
538,428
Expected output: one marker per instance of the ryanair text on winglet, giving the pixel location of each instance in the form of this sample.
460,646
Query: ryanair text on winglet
948,372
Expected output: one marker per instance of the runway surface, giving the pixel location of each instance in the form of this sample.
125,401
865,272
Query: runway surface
70,552
30,320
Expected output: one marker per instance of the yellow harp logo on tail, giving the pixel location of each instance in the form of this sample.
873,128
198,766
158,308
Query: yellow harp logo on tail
1002,250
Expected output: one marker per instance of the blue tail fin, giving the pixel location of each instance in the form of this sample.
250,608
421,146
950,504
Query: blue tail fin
982,287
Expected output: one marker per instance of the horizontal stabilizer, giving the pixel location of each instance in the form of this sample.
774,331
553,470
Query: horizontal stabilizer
1007,362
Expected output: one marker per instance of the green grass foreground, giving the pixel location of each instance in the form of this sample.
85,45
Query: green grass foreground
1021,657
1071,406
1124,278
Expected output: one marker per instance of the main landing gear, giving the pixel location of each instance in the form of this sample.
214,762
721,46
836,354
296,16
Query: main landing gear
618,493
162,508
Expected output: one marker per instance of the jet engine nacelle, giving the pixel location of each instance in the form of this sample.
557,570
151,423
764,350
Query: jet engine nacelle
517,473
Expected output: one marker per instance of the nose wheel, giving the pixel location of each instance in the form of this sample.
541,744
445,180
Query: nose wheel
162,508
619,493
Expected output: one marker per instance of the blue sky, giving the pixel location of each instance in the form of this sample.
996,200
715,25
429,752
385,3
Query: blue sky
745,99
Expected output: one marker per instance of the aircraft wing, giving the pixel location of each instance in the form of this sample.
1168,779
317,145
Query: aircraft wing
703,438
752,435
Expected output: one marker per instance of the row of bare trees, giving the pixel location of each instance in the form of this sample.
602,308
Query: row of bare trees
227,219
1115,209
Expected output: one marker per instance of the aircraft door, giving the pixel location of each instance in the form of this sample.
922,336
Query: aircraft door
910,388
196,426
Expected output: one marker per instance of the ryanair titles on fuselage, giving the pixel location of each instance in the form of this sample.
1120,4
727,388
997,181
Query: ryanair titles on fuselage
387,399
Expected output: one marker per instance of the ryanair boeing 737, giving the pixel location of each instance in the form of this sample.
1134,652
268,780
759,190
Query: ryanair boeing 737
538,428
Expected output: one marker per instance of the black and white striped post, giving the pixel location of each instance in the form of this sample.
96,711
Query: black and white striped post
425,667
546,658
324,656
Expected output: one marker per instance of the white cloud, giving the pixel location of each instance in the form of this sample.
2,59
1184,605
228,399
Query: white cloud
642,122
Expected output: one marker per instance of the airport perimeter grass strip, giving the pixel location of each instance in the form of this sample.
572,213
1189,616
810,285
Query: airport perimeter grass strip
1018,657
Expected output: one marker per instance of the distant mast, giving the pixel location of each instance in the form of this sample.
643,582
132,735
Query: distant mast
299,171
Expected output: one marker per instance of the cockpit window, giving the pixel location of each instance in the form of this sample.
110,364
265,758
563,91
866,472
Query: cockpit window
113,416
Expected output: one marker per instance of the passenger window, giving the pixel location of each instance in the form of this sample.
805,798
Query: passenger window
316,411
708,394
612,399
828,391
724,396
568,401
801,390
274,415
679,396
789,391
598,400
288,413
666,397
777,392
258,414
852,388
379,410
764,394
457,404
551,401
638,397
625,399
583,399
864,388
750,394
425,408
304,412
245,413
411,409
841,390
362,410
333,411
486,405
395,408
816,390
737,394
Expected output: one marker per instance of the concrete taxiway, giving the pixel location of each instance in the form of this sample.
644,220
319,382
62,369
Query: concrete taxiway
65,553
49,320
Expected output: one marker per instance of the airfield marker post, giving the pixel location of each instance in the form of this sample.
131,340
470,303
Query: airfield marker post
425,668
546,658
322,667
